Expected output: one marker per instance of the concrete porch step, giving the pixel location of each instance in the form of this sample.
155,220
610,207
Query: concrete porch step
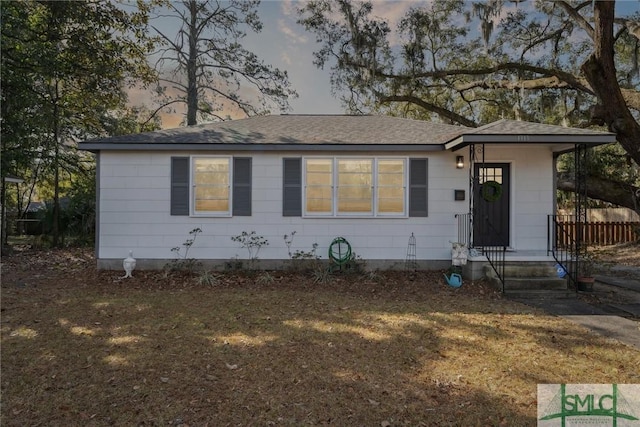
531,269
537,283
526,277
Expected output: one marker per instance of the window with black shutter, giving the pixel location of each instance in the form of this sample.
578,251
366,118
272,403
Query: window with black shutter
292,187
418,177
220,186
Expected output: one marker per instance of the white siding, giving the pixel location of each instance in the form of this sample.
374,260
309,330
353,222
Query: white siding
531,192
134,204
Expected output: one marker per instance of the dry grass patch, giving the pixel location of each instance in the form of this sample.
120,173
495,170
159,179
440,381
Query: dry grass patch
80,348
623,254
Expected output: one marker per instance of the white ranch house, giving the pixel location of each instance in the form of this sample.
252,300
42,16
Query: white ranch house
373,180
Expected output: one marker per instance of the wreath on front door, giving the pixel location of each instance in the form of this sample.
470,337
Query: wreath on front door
491,191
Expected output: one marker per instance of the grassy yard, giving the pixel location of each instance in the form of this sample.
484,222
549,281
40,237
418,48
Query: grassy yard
81,347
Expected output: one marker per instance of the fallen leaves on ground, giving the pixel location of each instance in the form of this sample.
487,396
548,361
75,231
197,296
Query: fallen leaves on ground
83,347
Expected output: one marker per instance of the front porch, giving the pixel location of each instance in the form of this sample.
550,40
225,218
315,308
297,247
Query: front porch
510,230
550,271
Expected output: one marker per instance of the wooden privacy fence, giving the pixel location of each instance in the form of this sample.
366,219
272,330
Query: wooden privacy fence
600,233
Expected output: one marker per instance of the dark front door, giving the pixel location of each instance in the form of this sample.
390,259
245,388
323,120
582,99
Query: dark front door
491,207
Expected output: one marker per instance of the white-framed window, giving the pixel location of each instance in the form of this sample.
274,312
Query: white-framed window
211,185
355,186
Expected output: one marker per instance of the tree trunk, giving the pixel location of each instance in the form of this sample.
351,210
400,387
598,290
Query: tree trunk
192,87
55,231
56,194
618,193
600,71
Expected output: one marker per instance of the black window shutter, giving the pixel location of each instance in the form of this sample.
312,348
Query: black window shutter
241,186
179,186
292,187
418,187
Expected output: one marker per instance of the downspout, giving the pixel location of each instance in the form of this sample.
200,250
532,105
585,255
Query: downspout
97,217
472,161
554,207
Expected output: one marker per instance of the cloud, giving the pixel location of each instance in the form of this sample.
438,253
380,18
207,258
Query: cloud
393,11
289,8
286,58
290,33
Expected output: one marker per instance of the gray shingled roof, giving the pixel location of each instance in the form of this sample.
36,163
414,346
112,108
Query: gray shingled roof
326,132
300,129
520,132
516,127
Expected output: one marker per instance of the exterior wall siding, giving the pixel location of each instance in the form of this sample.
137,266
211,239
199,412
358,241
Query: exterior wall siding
532,194
134,199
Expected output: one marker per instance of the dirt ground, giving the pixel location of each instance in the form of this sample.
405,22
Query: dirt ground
619,261
625,255
85,347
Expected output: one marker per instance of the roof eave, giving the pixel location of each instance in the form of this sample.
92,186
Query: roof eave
524,139
96,147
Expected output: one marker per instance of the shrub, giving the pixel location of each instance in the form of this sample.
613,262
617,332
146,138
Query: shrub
252,243
182,261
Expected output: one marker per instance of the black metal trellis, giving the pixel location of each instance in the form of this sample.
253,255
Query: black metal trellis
410,263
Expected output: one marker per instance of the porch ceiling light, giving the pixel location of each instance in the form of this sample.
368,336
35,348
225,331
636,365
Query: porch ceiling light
459,162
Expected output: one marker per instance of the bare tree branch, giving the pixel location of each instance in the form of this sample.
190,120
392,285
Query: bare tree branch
457,118
632,26
618,193
157,110
579,19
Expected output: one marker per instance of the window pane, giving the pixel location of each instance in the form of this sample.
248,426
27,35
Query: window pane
354,199
355,179
318,205
212,205
319,193
319,165
391,206
490,174
354,193
216,178
211,171
316,178
354,206
211,164
211,179
391,166
394,180
319,182
212,193
319,199
354,166
391,186
390,193
351,178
